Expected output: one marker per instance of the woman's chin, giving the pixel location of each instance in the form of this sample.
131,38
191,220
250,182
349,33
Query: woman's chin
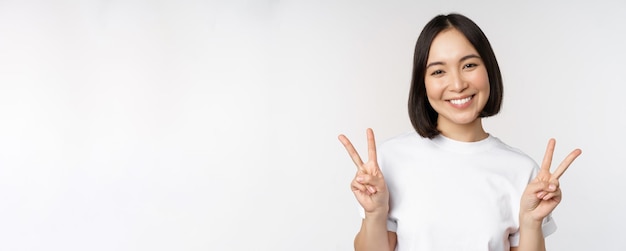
462,121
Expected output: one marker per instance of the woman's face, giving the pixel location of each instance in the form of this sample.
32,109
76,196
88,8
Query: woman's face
457,84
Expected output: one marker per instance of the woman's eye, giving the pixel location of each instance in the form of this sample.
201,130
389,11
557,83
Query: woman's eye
470,65
437,72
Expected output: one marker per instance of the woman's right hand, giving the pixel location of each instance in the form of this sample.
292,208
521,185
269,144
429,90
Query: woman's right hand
368,185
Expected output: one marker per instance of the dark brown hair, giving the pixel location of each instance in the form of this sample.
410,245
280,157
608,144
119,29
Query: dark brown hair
422,115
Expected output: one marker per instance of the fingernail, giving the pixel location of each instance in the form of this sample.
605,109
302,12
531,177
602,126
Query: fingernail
359,178
552,187
541,194
371,189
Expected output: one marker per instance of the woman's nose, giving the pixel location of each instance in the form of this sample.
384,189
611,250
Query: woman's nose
458,83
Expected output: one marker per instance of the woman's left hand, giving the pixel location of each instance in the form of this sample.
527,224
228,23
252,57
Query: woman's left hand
543,194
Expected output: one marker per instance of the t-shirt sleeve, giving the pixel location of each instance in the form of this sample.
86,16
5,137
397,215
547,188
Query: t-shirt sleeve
548,226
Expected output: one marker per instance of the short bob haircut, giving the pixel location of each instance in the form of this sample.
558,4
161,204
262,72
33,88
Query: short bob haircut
422,115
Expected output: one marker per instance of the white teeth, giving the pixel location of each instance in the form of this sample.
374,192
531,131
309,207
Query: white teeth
460,101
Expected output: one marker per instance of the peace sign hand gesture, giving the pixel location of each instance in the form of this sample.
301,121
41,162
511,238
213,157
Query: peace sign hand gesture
543,194
368,185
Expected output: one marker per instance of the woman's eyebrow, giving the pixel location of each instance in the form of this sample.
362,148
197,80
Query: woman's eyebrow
434,63
468,57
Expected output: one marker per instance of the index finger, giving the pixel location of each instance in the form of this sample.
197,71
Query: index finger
566,163
371,146
354,155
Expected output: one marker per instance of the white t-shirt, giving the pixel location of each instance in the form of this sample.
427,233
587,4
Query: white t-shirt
451,195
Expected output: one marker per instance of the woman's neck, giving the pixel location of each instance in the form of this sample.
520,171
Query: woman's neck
471,132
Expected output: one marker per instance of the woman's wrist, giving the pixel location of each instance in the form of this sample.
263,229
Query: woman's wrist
527,221
380,215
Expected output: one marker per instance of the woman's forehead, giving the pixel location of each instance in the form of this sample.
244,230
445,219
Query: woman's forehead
450,44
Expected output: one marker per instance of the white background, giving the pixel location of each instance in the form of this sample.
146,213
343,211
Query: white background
193,125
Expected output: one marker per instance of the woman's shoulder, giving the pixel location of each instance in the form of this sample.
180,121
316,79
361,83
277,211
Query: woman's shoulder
405,143
510,152
409,138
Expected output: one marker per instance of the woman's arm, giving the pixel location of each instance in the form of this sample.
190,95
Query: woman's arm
371,192
540,198
531,236
374,235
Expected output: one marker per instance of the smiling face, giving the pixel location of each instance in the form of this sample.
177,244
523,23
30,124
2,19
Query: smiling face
457,84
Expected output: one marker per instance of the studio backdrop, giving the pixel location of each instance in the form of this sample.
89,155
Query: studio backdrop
212,125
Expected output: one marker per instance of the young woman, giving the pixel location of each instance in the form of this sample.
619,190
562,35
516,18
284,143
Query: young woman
450,185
